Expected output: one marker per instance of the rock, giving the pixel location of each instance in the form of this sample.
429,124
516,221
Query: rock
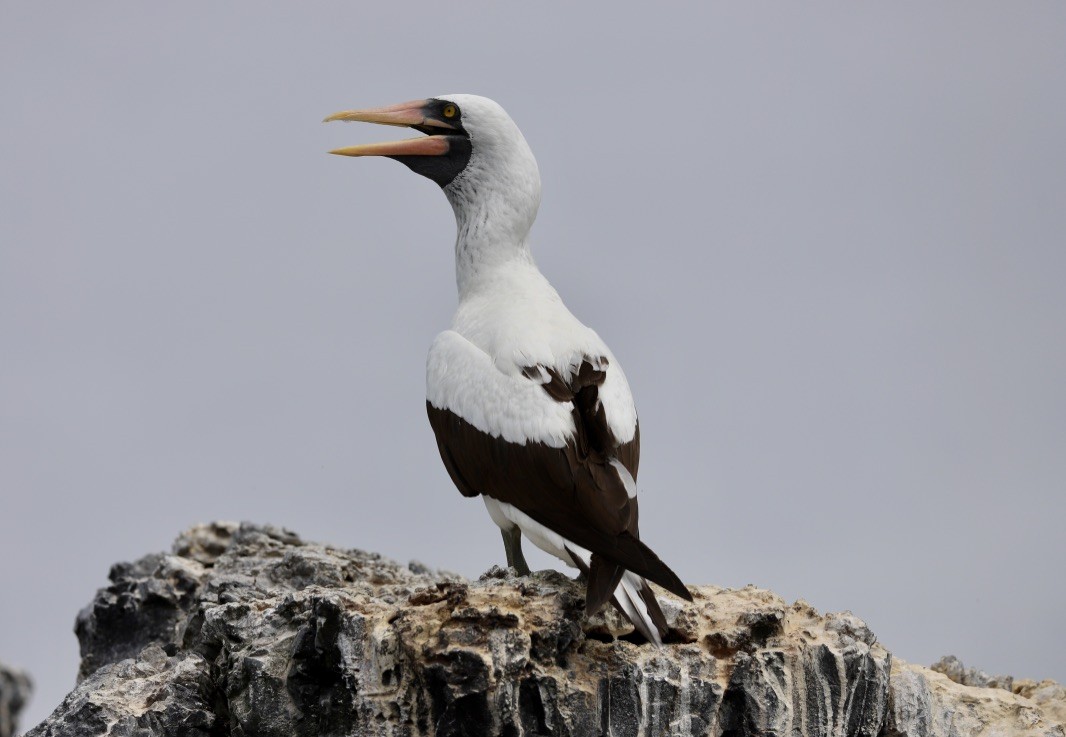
247,630
925,703
1048,695
15,689
951,667
153,694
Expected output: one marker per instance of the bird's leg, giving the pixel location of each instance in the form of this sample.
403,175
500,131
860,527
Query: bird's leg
512,544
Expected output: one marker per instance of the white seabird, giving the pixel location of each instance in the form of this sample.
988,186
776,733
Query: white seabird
530,409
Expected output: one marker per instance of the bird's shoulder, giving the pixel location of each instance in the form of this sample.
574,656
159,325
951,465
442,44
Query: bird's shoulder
530,335
465,380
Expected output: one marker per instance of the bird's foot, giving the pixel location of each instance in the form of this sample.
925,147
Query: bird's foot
521,569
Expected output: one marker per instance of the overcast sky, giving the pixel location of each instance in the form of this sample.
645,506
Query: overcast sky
827,244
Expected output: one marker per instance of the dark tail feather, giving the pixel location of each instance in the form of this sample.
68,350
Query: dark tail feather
624,548
635,556
604,576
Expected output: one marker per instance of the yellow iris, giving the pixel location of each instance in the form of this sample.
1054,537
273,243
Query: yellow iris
450,111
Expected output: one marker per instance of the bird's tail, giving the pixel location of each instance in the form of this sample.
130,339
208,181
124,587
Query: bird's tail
627,591
635,599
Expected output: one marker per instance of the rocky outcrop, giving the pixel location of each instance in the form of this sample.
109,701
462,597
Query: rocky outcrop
251,631
954,699
15,688
925,703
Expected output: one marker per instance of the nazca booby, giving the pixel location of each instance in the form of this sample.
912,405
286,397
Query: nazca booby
530,409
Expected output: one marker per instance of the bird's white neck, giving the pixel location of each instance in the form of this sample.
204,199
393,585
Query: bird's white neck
488,240
493,220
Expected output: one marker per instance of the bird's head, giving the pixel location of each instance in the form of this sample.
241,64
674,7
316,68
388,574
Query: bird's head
471,148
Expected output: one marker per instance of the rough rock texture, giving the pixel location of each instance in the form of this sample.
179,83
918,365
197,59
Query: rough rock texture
953,668
15,688
250,631
1048,695
924,703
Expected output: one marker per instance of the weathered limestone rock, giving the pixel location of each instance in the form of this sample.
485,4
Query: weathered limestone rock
153,694
250,631
951,667
1048,695
15,688
924,703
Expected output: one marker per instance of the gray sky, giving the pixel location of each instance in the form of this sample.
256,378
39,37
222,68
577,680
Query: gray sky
827,247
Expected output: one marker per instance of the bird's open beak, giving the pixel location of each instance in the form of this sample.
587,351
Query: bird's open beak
409,114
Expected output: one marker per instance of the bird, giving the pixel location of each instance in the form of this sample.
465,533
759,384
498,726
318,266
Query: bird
530,409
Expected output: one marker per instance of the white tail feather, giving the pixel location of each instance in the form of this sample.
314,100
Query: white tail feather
628,597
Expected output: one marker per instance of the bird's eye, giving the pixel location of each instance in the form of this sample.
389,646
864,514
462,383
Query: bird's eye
450,111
